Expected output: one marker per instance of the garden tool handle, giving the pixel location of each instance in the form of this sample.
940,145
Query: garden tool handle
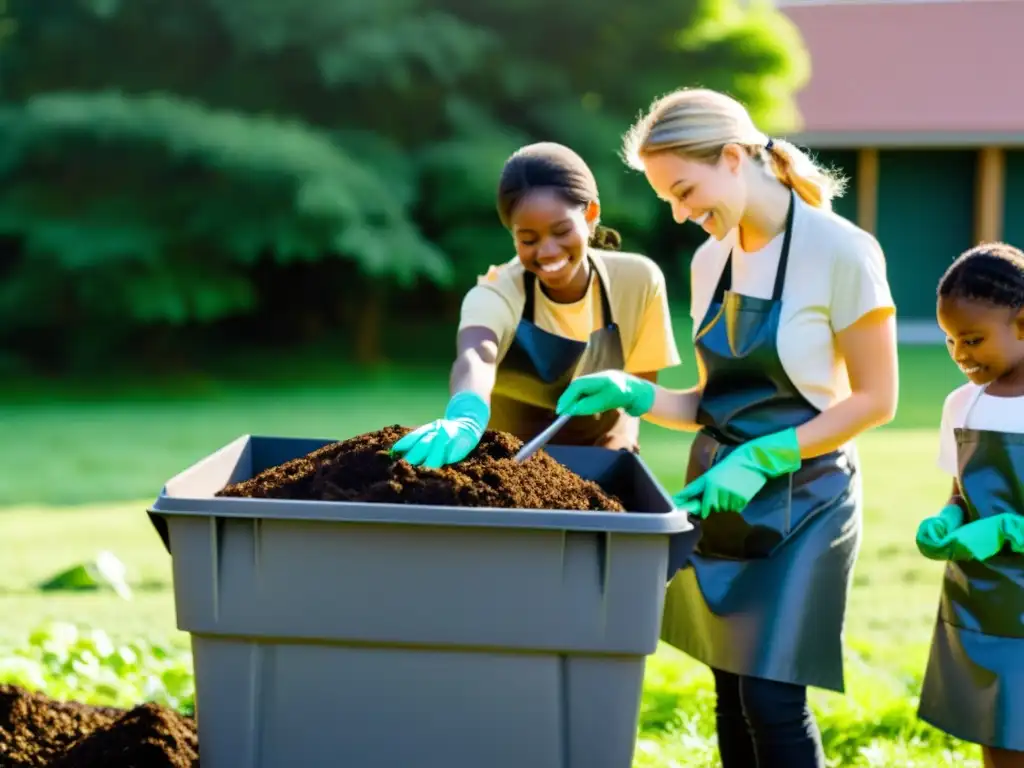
541,440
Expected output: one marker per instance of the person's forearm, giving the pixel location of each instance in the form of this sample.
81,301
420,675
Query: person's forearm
839,424
675,409
471,372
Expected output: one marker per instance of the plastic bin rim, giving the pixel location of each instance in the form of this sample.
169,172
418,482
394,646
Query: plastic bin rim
643,523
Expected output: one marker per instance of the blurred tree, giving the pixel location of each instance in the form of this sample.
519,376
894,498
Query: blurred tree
179,165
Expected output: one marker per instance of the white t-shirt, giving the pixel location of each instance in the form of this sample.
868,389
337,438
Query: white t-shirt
836,275
970,407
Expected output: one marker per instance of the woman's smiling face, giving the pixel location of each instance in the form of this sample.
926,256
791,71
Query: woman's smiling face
551,236
711,194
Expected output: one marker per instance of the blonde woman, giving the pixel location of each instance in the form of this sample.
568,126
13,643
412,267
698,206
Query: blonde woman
794,334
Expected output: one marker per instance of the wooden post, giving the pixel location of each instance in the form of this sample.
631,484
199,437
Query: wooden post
989,195
867,189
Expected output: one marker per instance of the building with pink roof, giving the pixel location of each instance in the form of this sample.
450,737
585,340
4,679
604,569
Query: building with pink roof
919,102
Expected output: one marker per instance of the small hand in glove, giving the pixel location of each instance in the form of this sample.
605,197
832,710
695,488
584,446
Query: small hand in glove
933,531
447,440
730,485
606,391
985,538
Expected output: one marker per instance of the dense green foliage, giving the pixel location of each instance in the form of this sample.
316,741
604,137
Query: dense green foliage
218,163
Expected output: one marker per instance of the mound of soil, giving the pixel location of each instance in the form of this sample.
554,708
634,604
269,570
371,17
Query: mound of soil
361,469
39,732
35,729
149,735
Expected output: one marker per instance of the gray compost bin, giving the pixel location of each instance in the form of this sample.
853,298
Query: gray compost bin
345,635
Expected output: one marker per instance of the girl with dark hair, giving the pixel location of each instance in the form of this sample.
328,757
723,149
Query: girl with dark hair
568,304
974,684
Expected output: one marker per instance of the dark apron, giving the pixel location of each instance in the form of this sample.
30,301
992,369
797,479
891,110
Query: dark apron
537,368
765,593
974,684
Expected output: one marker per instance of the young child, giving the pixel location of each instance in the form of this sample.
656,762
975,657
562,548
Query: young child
974,683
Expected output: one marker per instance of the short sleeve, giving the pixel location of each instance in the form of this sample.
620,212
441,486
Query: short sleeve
484,306
952,417
654,347
859,281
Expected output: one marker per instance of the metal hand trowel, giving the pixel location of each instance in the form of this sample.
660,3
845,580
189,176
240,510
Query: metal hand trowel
541,440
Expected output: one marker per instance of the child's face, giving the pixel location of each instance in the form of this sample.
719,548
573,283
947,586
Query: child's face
985,340
551,237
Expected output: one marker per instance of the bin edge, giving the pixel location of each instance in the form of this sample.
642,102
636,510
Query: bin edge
640,523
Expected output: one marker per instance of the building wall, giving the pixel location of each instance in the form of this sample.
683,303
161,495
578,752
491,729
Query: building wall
930,138
844,161
924,212
910,73
925,220
1013,199
804,3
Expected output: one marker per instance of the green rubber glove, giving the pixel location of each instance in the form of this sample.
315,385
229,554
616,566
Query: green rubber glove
447,440
984,538
606,391
932,532
732,483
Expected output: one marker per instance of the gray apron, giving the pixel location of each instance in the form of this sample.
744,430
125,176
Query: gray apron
537,368
765,593
974,683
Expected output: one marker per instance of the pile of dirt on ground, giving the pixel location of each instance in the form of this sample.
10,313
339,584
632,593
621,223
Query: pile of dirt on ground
39,732
362,469
149,735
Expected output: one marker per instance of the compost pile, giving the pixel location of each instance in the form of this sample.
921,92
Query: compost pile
39,732
361,469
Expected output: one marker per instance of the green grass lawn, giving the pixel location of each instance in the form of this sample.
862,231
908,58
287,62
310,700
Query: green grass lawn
79,471
76,443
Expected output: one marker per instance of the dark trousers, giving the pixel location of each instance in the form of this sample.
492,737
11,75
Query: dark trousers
765,724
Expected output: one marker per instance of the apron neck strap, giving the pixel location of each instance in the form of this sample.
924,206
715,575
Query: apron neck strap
725,281
972,402
529,286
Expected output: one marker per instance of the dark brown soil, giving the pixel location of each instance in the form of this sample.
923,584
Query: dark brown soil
39,732
361,469
148,736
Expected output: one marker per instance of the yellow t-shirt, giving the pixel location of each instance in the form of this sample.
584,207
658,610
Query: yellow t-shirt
637,296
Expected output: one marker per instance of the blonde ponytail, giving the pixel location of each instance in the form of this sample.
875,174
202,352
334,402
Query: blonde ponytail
797,171
698,123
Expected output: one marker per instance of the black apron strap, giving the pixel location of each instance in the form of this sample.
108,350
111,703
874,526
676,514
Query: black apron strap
780,272
725,280
606,306
529,281
529,286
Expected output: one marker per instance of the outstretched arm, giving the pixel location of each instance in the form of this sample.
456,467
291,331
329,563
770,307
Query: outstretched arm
677,408
638,396
476,362
450,439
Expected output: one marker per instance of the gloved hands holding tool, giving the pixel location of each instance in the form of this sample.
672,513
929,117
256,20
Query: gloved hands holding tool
447,440
730,485
606,391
